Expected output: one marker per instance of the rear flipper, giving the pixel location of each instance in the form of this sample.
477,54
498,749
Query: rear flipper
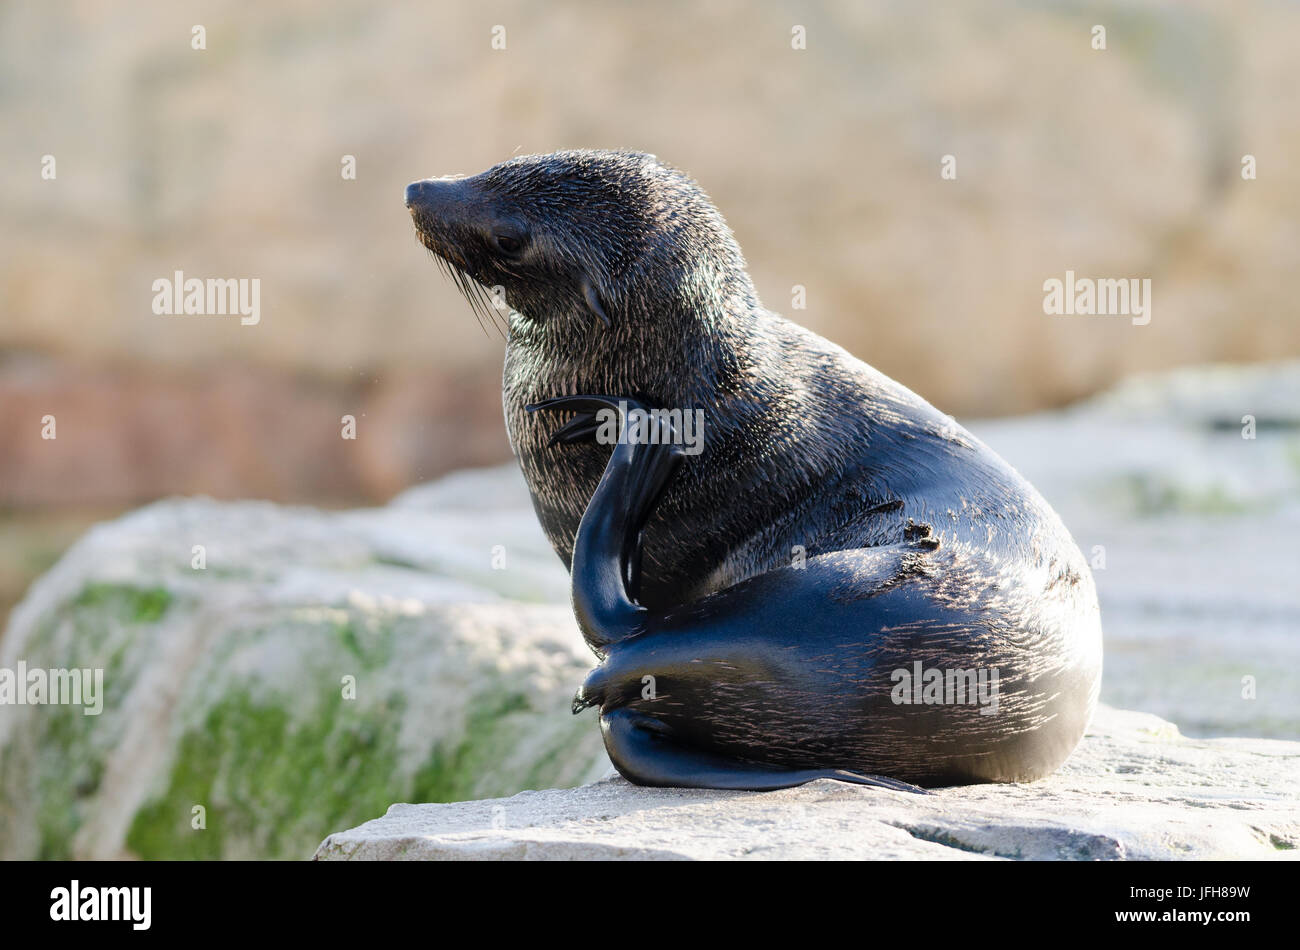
645,754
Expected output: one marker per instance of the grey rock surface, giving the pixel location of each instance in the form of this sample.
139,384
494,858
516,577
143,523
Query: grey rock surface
1134,789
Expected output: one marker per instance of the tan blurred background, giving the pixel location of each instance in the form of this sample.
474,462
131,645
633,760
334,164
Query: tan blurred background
225,162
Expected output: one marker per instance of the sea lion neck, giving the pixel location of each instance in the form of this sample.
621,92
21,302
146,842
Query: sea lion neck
668,357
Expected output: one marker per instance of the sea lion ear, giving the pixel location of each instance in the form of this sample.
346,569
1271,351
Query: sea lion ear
593,302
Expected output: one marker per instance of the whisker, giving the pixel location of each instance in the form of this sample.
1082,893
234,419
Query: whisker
476,295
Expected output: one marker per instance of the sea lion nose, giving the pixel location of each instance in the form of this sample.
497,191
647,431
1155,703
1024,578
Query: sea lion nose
441,197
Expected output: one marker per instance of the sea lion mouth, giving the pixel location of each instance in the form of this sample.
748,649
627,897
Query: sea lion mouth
438,248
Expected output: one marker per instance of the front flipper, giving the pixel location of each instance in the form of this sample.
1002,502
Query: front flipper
582,428
645,754
606,562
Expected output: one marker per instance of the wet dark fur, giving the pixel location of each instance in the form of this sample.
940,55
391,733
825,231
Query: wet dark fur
937,548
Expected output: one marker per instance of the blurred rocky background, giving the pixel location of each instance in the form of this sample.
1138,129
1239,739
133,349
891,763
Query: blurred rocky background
225,162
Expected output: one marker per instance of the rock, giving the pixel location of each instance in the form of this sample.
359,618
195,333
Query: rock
225,687
1134,789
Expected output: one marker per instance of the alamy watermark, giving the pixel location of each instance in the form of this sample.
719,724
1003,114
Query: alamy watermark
935,687
78,902
1104,296
215,296
651,427
57,687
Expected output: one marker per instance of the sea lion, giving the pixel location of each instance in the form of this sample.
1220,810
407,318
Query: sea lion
844,579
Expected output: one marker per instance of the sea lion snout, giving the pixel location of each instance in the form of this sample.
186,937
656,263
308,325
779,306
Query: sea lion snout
449,217
436,194
440,199
463,221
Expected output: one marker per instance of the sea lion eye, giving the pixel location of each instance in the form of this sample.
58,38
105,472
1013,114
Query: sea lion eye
507,242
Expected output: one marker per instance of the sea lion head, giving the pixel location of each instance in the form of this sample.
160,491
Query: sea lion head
575,240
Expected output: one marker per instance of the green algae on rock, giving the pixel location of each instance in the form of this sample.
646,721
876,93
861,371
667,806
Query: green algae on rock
300,684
